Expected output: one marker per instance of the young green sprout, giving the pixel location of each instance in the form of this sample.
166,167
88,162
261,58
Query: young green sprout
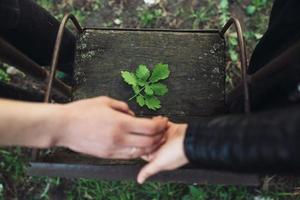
146,85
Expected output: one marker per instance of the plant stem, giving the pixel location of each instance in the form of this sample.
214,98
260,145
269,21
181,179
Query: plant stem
136,94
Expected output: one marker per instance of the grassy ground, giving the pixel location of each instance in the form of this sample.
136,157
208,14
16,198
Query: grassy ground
204,14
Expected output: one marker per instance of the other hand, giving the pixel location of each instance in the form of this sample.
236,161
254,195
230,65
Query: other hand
169,156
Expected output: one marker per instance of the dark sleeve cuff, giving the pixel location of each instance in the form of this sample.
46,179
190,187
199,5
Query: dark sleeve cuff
193,130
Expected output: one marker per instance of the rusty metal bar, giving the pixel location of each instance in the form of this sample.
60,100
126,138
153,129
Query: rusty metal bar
54,61
13,56
243,58
56,51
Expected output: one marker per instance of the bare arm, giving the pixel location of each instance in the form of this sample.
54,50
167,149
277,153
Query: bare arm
101,127
29,124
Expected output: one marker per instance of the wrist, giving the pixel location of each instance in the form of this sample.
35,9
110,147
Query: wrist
58,124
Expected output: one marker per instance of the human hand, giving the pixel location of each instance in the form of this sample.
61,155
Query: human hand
169,156
107,128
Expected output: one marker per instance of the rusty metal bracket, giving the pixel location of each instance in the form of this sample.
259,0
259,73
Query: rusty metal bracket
54,61
243,58
56,51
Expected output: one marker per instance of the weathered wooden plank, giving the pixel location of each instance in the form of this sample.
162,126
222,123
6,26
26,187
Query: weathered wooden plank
69,164
129,172
196,60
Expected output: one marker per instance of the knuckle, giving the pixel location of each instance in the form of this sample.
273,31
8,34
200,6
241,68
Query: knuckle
153,128
105,99
125,105
116,138
120,125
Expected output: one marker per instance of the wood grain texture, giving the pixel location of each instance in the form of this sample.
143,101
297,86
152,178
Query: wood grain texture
129,172
196,61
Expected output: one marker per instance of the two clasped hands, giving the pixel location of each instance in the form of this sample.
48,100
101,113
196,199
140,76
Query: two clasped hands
107,128
101,127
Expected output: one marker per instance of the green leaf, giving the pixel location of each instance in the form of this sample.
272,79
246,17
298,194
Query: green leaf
145,85
148,90
136,89
233,55
4,76
233,41
250,10
160,72
140,100
198,193
142,72
159,89
152,102
224,4
141,82
129,78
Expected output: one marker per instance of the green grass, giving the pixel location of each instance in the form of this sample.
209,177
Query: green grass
148,17
16,184
60,9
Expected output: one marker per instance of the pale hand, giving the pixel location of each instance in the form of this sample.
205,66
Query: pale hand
169,156
107,128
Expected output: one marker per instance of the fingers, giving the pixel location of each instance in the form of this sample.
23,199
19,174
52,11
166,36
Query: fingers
138,125
120,106
132,152
141,141
148,170
145,126
151,154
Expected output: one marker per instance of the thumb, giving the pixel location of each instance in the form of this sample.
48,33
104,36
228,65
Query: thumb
148,170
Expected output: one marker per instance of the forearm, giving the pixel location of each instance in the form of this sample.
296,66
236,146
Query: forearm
260,142
29,124
100,126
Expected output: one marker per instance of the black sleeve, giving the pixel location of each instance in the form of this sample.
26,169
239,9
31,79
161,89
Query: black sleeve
262,142
32,30
282,32
9,13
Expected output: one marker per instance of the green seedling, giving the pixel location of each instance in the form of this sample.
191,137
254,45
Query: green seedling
146,86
